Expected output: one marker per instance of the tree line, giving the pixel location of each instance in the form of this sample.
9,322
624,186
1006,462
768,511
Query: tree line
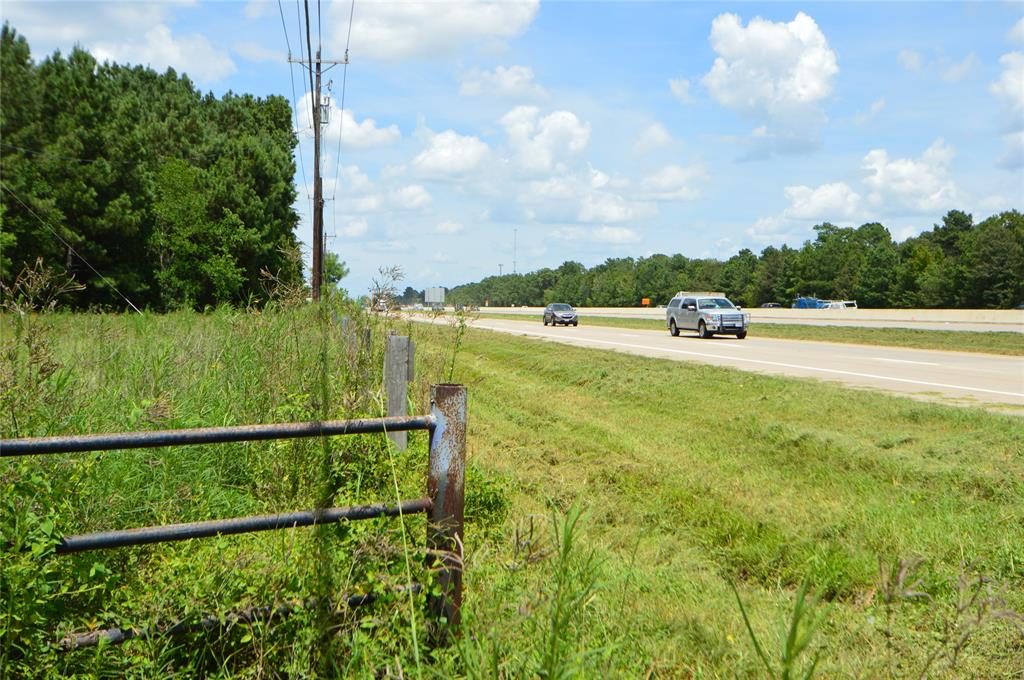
140,185
956,264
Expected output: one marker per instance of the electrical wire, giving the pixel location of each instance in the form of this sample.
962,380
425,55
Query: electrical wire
309,50
341,121
295,107
47,154
69,247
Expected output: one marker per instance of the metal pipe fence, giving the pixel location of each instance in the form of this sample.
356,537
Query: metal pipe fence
444,502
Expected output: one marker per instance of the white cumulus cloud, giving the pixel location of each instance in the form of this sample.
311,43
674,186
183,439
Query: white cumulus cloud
1009,91
511,81
911,186
450,154
427,28
355,134
543,144
891,187
580,197
1016,33
827,202
673,183
353,180
412,197
601,206
774,72
160,49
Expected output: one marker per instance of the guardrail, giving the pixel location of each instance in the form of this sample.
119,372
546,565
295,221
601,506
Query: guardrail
443,503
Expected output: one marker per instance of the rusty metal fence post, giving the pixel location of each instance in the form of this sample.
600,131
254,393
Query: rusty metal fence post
445,488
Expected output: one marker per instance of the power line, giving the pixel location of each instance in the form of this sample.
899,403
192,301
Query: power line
111,161
69,247
309,50
295,106
280,8
341,121
47,154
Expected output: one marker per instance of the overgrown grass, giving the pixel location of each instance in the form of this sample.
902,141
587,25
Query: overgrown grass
997,342
65,374
611,502
697,476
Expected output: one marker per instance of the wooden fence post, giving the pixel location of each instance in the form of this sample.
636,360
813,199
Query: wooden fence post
398,366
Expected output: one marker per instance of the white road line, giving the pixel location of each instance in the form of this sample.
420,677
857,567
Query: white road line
906,361
763,362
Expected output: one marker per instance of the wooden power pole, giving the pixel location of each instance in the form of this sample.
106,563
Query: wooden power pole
318,188
318,193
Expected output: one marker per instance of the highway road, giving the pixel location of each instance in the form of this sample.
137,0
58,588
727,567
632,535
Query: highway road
960,378
981,320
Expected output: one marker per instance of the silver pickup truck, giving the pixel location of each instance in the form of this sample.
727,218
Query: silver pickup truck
707,315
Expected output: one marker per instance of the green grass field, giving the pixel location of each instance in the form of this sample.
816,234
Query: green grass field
695,477
688,479
957,341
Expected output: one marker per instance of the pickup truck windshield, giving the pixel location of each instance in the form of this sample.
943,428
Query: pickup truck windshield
715,303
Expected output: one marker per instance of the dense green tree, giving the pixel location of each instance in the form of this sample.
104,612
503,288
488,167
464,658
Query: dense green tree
993,262
200,256
86,151
957,263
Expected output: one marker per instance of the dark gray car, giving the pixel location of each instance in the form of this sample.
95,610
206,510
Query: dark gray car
560,313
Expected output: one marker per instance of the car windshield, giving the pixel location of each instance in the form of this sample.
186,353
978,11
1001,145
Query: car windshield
716,303
560,308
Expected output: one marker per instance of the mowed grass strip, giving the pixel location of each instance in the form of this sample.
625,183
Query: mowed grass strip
996,342
695,476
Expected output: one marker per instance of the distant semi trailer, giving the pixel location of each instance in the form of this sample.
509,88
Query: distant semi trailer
434,297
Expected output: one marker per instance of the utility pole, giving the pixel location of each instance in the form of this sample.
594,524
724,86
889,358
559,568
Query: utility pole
318,192
318,189
499,268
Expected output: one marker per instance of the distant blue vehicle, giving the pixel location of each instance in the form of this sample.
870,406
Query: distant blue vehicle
810,303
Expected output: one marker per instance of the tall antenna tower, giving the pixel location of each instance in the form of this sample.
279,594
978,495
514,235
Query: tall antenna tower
515,241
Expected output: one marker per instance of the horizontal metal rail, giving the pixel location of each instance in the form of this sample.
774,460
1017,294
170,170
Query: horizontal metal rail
208,622
241,525
210,435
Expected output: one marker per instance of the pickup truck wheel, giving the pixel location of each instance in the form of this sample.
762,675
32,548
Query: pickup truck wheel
741,335
673,329
702,331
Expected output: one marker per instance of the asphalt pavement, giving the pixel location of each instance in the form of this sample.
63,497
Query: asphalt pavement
961,378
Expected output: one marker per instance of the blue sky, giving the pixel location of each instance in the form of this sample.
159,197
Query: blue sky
608,129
